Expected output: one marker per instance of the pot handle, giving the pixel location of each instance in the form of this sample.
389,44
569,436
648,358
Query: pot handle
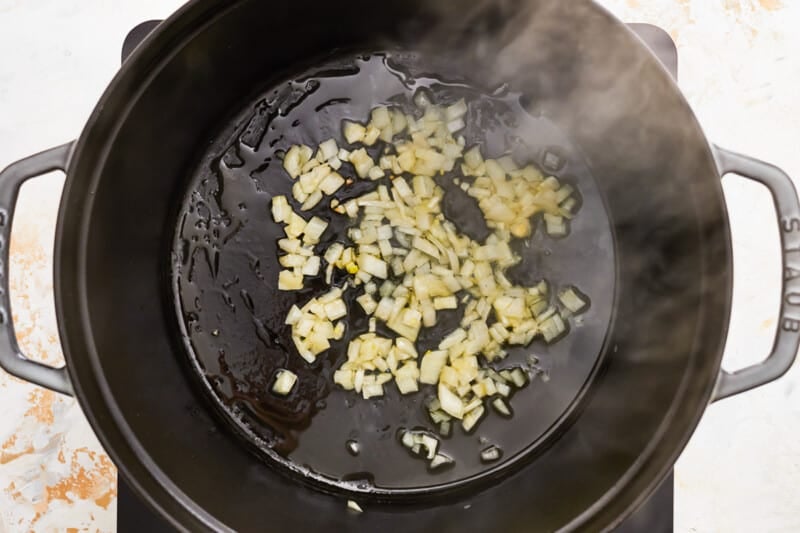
787,338
11,358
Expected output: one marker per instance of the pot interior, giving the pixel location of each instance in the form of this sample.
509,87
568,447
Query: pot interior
226,272
630,143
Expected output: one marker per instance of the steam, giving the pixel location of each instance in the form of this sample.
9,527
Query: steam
575,67
581,70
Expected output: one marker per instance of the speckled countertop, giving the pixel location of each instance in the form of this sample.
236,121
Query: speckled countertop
739,63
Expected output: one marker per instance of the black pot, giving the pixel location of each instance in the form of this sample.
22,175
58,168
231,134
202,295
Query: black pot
624,399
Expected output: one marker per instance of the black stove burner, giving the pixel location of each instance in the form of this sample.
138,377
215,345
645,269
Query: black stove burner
654,516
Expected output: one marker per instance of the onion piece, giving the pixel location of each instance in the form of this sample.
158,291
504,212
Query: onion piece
451,404
294,315
518,377
456,125
552,328
437,417
331,183
555,225
431,445
376,173
371,135
571,300
380,117
372,390
344,378
440,460
353,506
445,302
280,209
353,132
433,266
455,337
295,158
311,266
407,439
431,366
290,281
373,266
367,303
335,309
328,149
472,418
421,99
490,454
406,385
457,110
362,162
334,252
284,382
314,230
312,200
501,407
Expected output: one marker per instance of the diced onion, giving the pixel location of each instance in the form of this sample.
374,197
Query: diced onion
367,303
431,366
440,460
457,110
455,125
490,454
451,404
374,266
290,281
294,315
371,135
311,266
314,230
472,418
552,327
328,149
353,132
501,407
284,382
376,173
335,309
311,200
518,377
280,209
399,235
571,300
431,445
503,389
353,506
555,225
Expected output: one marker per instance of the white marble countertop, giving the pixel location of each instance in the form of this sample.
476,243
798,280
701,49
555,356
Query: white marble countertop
739,66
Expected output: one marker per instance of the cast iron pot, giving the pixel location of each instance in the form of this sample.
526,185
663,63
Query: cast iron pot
658,187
